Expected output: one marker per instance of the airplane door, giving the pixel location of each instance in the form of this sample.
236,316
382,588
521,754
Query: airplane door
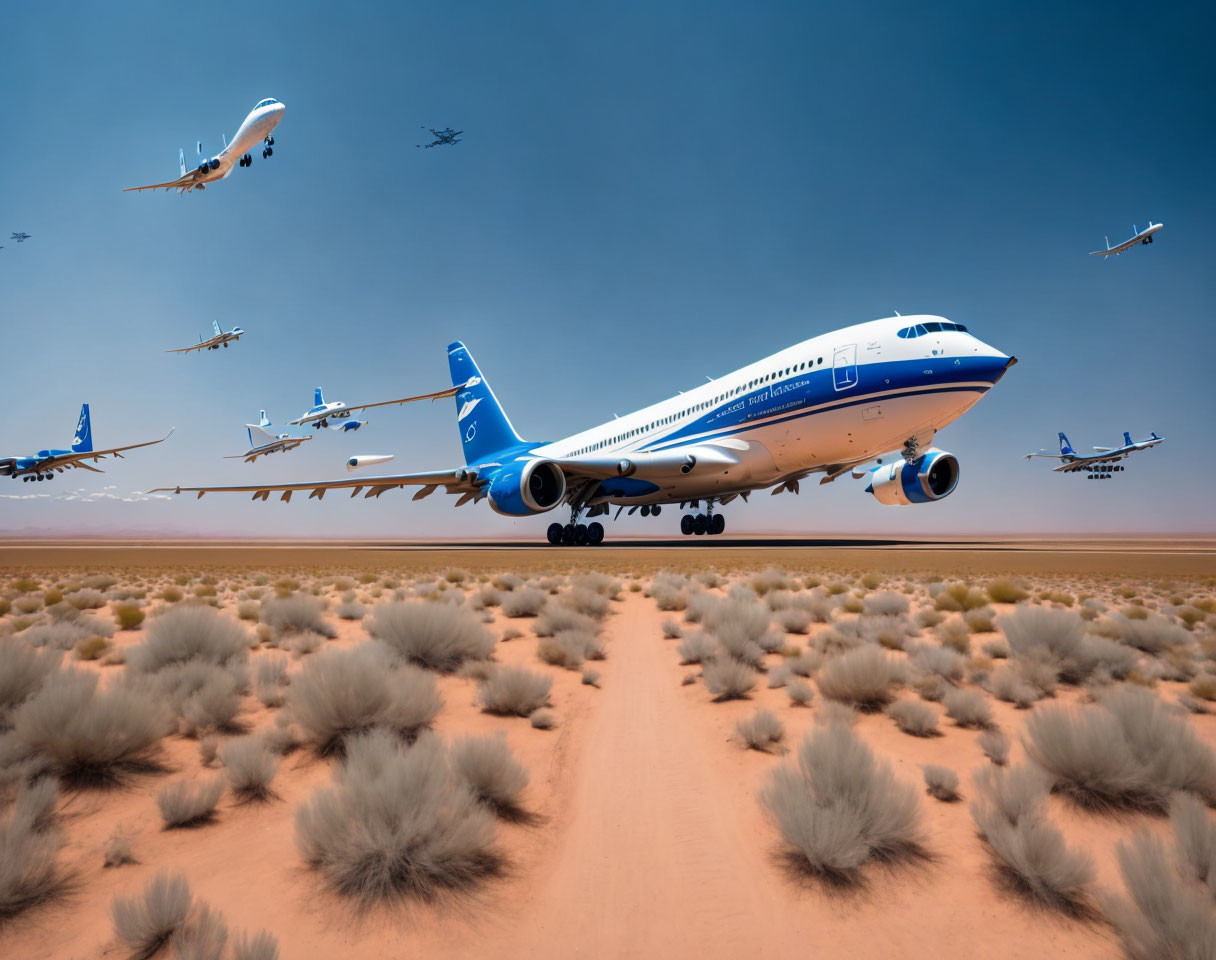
844,367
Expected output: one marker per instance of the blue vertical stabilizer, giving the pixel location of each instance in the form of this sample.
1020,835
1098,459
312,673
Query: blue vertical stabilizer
484,427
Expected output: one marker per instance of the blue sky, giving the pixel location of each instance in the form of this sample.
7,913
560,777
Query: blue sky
647,194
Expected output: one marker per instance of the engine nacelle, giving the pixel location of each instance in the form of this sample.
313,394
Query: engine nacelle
932,476
366,460
526,487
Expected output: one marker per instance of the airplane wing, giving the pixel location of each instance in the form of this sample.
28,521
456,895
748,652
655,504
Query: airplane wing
77,460
197,346
438,395
181,183
459,481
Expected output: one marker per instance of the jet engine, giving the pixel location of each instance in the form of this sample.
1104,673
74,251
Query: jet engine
526,487
931,476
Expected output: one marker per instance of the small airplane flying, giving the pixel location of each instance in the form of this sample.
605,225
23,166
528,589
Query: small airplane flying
263,443
1138,236
1100,465
255,128
320,413
221,338
367,460
446,137
20,237
44,464
828,405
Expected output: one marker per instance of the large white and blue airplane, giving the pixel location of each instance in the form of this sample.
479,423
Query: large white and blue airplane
1103,463
1138,236
220,338
262,442
257,128
823,406
44,464
320,413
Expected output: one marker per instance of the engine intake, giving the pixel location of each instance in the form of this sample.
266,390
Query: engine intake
523,488
932,476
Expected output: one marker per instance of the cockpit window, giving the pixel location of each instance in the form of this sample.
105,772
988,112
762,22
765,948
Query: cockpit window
934,326
265,103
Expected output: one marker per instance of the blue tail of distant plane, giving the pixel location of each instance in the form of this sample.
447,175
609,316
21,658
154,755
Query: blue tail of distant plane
484,427
83,441
216,326
1127,438
318,398
1066,447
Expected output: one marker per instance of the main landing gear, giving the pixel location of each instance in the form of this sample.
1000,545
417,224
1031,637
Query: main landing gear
700,524
576,534
269,150
49,475
245,160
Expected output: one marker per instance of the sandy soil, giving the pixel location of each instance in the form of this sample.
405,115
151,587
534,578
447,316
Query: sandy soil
648,839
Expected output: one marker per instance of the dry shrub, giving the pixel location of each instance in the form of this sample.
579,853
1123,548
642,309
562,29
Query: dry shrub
146,922
864,678
955,634
542,719
249,610
23,670
29,869
913,717
696,648
995,746
557,618
298,613
1152,634
89,736
397,822
86,599
1009,684
938,661
491,772
250,766
1004,590
587,602
1128,750
128,615
1052,638
186,804
761,731
941,783
351,610
340,693
524,602
435,636
260,946
669,591
771,579
117,851
570,648
886,603
799,692
190,634
1194,839
968,708
728,679
838,807
514,691
671,629
1029,851
1164,914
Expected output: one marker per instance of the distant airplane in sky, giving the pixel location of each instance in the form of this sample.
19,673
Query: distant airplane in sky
367,460
443,138
255,128
320,413
221,338
1100,465
824,406
262,442
1138,236
20,237
44,464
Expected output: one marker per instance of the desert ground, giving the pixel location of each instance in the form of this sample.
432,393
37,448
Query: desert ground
448,751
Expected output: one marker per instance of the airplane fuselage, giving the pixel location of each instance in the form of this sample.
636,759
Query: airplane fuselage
841,398
255,128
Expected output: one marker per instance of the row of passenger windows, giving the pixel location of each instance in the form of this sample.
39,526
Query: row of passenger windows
664,421
935,326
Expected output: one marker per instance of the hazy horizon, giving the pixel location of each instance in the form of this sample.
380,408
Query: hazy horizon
645,196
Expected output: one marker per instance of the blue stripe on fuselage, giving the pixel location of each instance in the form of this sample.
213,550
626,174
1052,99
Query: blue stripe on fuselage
815,389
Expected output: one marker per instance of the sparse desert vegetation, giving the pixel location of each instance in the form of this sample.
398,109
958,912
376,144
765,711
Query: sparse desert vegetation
435,733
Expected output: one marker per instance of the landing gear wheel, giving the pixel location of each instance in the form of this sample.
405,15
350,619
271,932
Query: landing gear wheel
595,533
554,533
645,509
686,524
265,152
717,524
270,151
580,534
654,511
700,525
568,535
